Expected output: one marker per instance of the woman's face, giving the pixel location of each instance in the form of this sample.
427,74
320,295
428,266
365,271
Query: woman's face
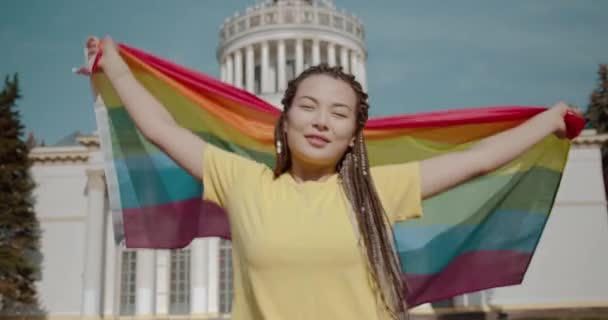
321,122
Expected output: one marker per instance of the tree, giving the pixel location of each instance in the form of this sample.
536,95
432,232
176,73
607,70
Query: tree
19,228
597,113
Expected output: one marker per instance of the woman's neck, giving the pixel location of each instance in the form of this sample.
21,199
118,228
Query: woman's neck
302,173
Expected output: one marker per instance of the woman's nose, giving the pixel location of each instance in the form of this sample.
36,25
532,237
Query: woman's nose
320,120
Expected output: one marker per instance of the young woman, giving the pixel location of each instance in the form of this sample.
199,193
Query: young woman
315,240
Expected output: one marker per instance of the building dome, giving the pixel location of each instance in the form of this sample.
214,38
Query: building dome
274,40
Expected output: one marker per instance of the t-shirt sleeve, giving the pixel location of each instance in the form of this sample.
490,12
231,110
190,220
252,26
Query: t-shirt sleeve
399,188
223,172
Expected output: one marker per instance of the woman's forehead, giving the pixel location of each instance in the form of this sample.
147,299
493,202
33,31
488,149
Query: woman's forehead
326,89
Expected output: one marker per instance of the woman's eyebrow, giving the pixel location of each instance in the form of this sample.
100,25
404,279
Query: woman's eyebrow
338,104
335,104
309,97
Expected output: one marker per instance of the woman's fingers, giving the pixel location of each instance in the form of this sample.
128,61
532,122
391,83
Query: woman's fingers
109,47
91,48
108,43
92,41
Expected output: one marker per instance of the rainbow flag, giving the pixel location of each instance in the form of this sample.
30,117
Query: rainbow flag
479,235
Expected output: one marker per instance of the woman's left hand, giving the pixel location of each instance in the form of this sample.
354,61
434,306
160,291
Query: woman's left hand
557,115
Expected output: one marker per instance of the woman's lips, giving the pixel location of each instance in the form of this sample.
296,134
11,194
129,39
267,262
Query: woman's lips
316,141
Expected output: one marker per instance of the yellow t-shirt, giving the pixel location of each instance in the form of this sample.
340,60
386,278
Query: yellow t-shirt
295,253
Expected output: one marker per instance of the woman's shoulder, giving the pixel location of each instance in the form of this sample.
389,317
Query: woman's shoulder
239,162
391,172
227,171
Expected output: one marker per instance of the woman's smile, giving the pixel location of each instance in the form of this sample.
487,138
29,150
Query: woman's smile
317,141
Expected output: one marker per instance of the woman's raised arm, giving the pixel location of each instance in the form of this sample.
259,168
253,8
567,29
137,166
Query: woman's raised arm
449,170
148,114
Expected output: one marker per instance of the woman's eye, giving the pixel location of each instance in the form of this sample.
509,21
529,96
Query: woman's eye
341,115
307,107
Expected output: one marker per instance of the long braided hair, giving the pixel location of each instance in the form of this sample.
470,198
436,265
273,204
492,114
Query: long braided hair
353,168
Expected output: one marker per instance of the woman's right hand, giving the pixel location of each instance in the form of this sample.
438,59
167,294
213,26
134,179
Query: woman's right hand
92,48
93,45
147,112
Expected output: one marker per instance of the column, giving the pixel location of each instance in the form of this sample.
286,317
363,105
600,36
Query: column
353,62
223,71
264,67
363,73
91,289
331,54
344,58
163,265
238,68
249,69
358,65
110,272
316,52
281,65
299,56
144,282
229,69
198,273
213,275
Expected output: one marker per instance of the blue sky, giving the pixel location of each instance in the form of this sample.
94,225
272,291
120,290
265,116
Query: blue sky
423,55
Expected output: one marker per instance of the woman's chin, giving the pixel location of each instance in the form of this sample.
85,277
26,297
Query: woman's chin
319,158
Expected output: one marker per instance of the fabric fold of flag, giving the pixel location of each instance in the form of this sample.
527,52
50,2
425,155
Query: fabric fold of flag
479,235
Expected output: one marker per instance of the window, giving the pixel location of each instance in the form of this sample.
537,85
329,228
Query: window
290,69
257,76
338,22
289,16
225,283
127,283
323,19
255,21
179,282
241,25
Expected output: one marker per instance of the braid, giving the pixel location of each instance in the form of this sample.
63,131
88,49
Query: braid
371,220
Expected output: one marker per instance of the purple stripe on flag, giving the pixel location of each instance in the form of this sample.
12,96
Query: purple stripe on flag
469,272
174,225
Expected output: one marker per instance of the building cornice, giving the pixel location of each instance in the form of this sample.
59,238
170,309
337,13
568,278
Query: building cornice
76,154
89,141
589,137
59,155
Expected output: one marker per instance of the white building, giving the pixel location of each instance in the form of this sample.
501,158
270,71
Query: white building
273,41
86,275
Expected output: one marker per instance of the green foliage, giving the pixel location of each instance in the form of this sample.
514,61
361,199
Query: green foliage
597,111
19,229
